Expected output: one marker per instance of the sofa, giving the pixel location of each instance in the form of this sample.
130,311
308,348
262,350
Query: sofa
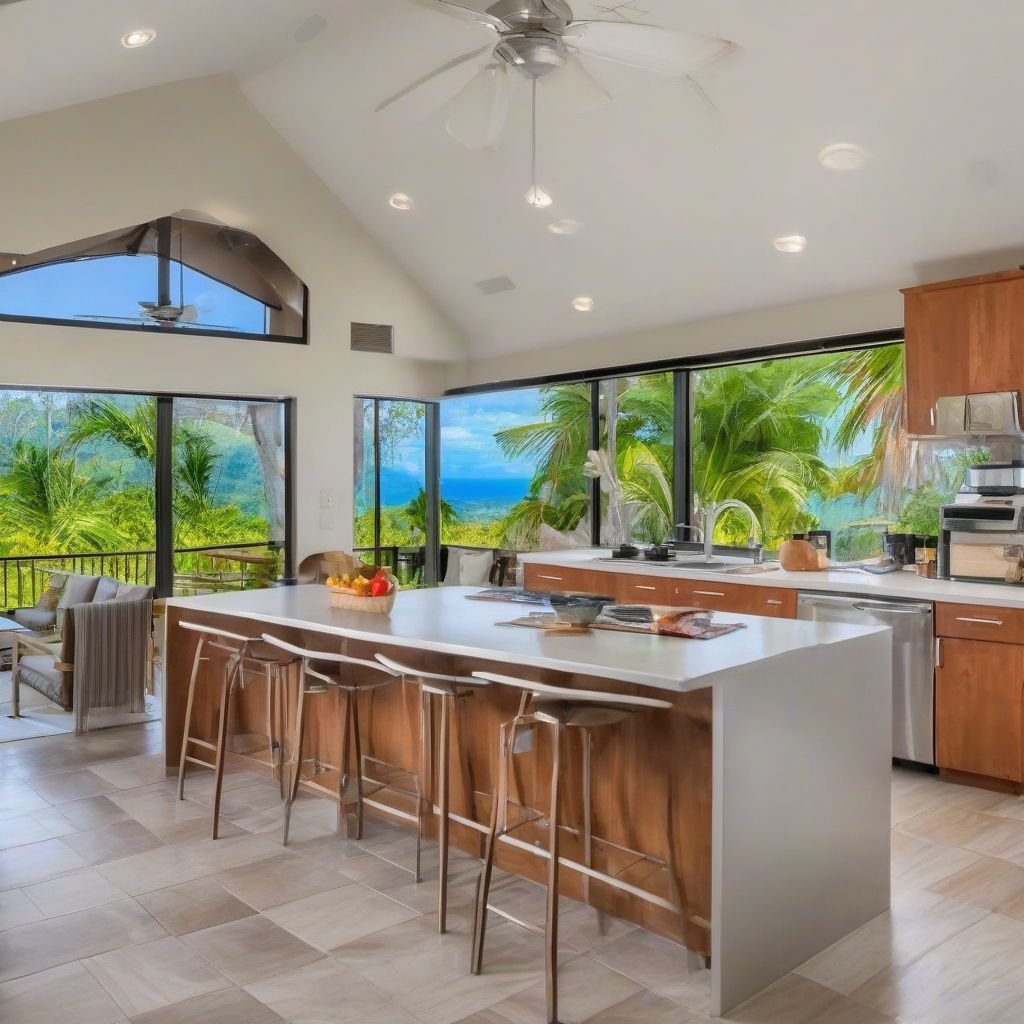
99,648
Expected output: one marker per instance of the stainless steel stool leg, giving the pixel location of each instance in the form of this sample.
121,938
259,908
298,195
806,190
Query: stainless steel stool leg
551,921
188,716
443,748
296,757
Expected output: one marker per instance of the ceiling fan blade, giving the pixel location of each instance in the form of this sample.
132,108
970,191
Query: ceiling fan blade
477,115
574,89
450,66
663,50
462,11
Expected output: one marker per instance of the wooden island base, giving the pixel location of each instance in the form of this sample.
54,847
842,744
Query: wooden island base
651,775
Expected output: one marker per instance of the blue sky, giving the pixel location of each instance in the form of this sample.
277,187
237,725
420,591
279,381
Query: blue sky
468,448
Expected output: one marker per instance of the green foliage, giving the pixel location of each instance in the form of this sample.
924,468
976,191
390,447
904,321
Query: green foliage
921,511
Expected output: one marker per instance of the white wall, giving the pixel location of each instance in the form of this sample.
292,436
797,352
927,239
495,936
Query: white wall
200,145
852,313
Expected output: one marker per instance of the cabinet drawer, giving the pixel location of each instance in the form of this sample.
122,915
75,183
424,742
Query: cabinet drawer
980,622
737,597
559,579
634,589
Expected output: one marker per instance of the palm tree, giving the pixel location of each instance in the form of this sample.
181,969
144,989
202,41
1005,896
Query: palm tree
47,500
871,381
415,513
757,432
134,429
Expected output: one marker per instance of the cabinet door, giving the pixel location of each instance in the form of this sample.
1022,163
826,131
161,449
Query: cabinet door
938,326
632,588
997,345
723,597
560,579
979,703
772,601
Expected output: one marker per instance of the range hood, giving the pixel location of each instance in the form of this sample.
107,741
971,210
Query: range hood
991,414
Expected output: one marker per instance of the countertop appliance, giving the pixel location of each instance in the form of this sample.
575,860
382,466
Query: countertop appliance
982,531
913,661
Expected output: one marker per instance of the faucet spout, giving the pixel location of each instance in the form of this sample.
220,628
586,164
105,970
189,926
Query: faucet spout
713,514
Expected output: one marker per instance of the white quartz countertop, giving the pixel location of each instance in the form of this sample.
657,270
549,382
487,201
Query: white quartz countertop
903,584
443,620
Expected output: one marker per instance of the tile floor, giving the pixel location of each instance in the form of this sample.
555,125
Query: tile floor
115,906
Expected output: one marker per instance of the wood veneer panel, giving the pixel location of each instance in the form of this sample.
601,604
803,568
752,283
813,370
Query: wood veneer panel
651,774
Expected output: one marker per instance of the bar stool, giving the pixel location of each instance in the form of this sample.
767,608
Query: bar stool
452,690
557,708
240,654
322,670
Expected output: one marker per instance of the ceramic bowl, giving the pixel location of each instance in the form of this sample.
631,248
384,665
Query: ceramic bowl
579,609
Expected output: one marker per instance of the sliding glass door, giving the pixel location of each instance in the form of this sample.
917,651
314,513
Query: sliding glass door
395,486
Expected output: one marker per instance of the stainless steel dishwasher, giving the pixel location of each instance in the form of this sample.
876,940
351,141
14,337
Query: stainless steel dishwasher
913,661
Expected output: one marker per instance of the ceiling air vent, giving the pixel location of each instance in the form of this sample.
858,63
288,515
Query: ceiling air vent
373,338
496,285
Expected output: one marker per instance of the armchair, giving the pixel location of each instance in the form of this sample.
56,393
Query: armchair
101,661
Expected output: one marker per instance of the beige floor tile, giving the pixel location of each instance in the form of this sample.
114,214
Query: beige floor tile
113,841
77,890
917,922
327,991
35,827
229,851
156,806
797,1000
962,826
933,992
196,830
65,993
231,1006
193,906
280,879
647,1008
93,811
426,973
659,965
18,797
251,949
23,865
919,863
391,880
334,918
133,772
995,885
66,786
17,909
585,988
993,948
147,976
156,869
58,940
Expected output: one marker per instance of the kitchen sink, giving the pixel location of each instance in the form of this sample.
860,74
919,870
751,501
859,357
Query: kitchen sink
737,568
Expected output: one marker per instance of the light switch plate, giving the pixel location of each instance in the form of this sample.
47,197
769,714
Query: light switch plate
327,520
327,497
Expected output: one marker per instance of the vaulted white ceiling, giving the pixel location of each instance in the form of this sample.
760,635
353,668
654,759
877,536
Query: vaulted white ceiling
678,206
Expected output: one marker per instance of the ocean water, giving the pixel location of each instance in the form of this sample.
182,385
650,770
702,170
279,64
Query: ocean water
472,498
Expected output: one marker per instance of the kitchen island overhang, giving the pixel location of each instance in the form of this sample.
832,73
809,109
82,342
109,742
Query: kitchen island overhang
772,766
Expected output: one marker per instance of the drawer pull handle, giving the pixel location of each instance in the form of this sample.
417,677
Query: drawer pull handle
556,579
709,593
640,586
983,622
772,600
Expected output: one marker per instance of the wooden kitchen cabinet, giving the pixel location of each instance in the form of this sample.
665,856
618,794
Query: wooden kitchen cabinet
979,708
560,579
962,337
737,597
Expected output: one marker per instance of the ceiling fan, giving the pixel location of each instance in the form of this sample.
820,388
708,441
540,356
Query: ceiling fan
535,39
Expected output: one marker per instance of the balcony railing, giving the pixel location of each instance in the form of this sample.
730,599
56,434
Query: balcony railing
23,577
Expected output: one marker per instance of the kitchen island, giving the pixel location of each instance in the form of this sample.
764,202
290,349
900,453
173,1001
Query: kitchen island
765,788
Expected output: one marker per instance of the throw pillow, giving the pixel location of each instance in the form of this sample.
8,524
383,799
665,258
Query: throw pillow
132,592
475,568
106,589
49,599
77,590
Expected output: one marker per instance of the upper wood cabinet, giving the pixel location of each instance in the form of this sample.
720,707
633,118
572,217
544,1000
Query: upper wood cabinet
962,337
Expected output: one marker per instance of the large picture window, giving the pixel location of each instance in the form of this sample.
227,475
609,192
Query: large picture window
170,274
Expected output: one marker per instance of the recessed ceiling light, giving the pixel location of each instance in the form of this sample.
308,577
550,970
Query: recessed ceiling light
536,196
140,37
842,156
400,201
583,304
790,243
564,227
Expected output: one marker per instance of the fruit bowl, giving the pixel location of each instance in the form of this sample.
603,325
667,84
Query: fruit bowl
578,609
359,598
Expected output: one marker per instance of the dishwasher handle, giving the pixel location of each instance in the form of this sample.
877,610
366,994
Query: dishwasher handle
896,609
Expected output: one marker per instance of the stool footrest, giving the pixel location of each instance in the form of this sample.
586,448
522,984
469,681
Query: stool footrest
205,744
199,761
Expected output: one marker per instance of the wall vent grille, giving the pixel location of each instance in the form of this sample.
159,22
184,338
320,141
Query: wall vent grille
378,338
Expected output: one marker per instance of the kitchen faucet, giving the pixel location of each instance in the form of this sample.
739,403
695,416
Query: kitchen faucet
711,516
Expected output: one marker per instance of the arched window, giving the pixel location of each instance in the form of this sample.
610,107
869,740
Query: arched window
170,274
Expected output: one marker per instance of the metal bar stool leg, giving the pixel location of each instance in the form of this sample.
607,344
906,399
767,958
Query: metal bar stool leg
443,748
343,763
227,688
296,757
358,745
551,922
188,716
